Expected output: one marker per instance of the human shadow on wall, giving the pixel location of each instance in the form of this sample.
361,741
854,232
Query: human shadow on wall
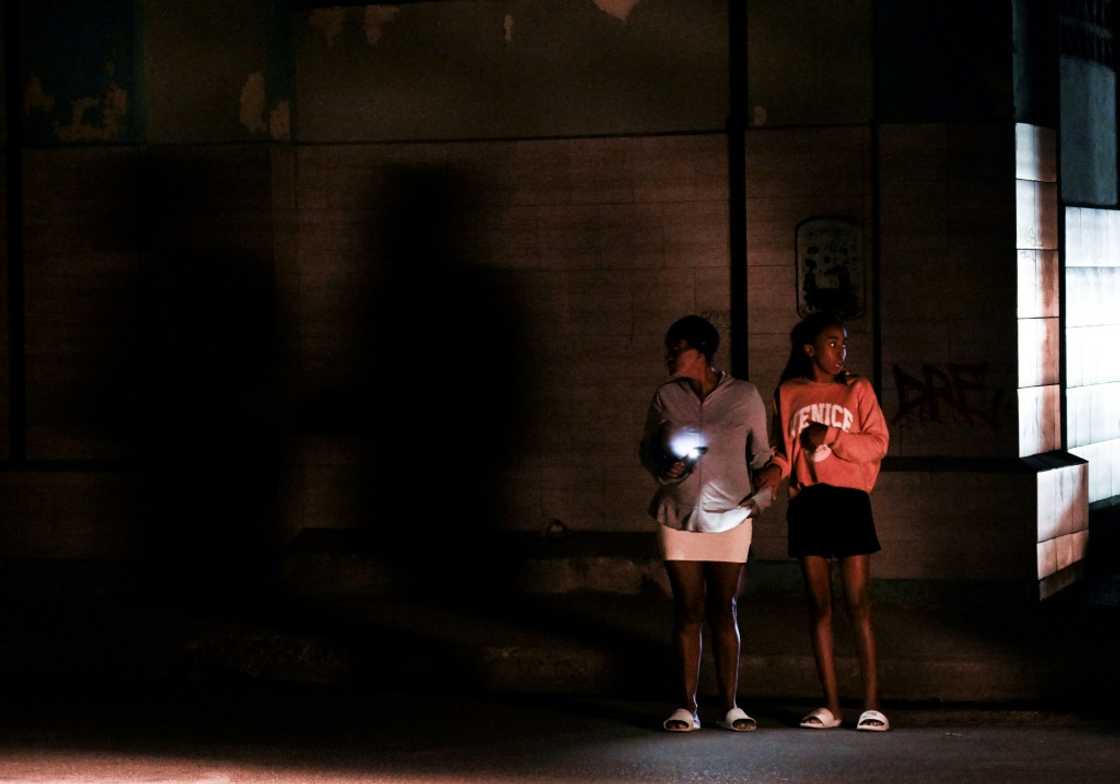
436,377
208,426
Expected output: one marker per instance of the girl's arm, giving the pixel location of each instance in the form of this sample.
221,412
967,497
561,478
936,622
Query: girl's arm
870,443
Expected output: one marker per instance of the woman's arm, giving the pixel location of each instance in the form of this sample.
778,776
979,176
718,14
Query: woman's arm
869,443
759,452
765,476
650,450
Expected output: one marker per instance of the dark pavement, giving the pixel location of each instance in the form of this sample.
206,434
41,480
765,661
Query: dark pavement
266,679
251,736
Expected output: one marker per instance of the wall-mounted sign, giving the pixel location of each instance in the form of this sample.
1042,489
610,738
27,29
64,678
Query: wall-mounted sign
830,268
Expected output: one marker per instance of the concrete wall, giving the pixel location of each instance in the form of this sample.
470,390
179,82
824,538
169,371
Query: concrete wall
1087,79
5,386
205,68
809,62
205,306
566,261
1039,354
948,308
512,69
333,265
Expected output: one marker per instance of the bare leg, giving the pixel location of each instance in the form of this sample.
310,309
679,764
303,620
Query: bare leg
818,584
723,587
687,579
856,573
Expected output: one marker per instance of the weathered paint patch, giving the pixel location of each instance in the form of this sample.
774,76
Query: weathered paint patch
86,126
377,16
253,103
507,24
328,21
280,122
83,56
619,9
35,98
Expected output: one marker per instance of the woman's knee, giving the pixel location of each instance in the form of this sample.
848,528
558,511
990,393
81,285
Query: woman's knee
690,616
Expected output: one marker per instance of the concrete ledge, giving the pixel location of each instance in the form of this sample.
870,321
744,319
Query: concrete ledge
969,642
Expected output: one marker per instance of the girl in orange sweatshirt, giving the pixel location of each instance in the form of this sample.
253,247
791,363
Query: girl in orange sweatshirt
830,436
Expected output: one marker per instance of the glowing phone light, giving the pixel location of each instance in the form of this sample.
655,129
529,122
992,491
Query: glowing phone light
688,445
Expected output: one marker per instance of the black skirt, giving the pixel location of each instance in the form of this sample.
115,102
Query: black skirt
833,522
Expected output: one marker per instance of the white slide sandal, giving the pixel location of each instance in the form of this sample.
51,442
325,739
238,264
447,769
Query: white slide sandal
682,721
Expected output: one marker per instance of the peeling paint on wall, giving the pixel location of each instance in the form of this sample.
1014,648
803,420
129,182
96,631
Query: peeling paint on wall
253,103
619,9
541,68
85,126
329,22
80,81
377,16
374,18
255,115
35,98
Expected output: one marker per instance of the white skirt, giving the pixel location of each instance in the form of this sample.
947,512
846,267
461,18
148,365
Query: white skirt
727,546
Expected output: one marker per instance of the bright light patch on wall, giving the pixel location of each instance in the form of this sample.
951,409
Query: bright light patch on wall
1092,329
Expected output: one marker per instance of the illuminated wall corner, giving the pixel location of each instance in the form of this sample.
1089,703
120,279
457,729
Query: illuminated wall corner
1039,356
1092,329
1062,482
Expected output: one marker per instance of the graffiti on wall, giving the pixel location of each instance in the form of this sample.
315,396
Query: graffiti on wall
957,392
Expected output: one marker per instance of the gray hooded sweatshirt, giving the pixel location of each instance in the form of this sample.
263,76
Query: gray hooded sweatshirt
731,422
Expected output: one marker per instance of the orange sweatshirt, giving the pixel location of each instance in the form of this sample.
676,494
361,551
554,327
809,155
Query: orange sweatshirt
856,440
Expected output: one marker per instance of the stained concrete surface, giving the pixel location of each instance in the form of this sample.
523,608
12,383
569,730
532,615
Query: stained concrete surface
256,736
951,643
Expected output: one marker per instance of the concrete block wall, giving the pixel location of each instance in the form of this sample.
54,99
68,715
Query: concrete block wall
237,292
586,249
809,63
1061,481
1036,220
205,70
82,287
524,68
145,273
5,387
949,369
72,515
523,285
963,524
1063,524
1092,326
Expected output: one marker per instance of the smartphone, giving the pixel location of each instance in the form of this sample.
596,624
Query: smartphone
694,454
